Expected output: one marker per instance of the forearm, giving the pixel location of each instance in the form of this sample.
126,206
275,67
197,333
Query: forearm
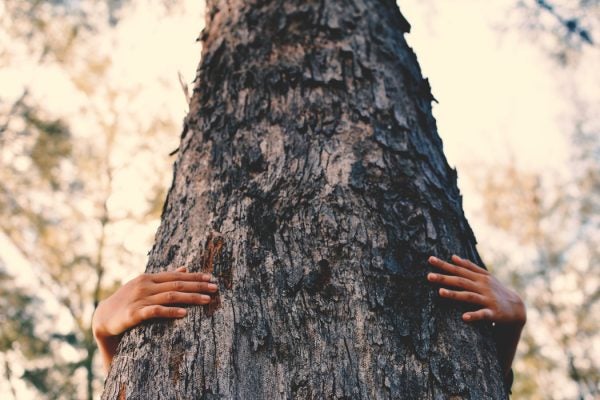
107,347
507,338
107,343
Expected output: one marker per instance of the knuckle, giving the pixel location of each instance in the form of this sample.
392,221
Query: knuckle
131,314
137,282
139,315
170,296
138,290
178,286
146,313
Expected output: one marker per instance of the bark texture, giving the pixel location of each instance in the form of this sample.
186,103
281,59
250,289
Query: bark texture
312,182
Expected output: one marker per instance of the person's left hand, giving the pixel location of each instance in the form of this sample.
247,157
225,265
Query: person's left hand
498,303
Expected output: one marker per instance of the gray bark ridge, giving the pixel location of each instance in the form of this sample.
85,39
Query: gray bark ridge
312,182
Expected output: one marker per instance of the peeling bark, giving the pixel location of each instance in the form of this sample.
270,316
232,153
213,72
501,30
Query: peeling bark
311,181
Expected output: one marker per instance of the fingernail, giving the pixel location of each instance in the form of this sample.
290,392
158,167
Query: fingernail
432,258
205,297
212,286
443,291
181,312
467,317
431,277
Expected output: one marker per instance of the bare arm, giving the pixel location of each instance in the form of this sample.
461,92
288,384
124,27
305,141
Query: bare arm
145,297
498,304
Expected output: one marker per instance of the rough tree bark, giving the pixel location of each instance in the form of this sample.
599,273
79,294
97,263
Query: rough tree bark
311,181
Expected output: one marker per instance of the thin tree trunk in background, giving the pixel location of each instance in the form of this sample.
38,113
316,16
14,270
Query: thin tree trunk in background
311,181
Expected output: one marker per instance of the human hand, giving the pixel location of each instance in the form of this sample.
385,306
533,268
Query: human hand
499,304
149,296
145,297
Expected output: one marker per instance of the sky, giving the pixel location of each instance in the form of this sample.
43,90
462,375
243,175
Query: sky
500,97
497,96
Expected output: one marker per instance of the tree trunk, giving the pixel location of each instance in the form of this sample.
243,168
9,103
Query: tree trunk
311,181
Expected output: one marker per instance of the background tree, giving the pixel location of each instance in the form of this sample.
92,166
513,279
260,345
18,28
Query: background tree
547,218
556,219
562,28
67,204
311,181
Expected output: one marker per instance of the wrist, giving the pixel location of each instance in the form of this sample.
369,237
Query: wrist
98,329
512,328
107,343
520,317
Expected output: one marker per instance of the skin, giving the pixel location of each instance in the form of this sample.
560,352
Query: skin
148,296
497,303
152,296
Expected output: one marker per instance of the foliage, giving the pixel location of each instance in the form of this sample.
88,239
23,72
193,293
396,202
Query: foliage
563,28
557,220
17,320
67,204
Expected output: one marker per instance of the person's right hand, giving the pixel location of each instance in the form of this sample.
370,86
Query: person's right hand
145,297
150,296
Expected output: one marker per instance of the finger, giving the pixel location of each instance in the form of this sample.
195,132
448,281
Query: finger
451,269
184,286
455,281
479,315
465,297
157,311
181,269
463,262
180,276
178,298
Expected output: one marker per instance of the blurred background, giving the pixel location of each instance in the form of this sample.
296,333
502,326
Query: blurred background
92,99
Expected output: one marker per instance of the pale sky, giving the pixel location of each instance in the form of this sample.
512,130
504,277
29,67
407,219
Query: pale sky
497,94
